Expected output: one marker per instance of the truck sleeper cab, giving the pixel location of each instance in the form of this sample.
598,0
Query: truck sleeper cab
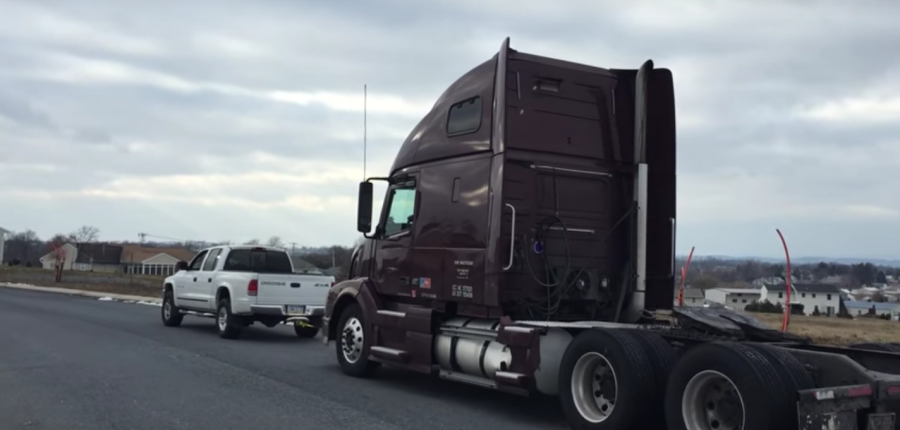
526,244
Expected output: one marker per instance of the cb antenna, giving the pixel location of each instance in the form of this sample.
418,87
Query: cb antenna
365,100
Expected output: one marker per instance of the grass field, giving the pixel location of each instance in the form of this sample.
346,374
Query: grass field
832,331
837,331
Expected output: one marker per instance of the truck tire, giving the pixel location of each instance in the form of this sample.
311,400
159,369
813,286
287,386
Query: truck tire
171,317
226,321
662,360
728,385
874,346
604,378
351,344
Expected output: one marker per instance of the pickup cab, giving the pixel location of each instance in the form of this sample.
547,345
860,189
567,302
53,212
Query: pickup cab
240,285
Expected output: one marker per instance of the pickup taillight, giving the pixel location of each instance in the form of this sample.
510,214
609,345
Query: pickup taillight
252,287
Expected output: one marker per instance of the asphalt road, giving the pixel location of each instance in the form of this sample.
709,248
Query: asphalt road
69,362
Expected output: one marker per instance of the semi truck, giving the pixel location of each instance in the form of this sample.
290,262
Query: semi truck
526,244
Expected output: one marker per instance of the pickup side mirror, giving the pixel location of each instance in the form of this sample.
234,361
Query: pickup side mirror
364,208
180,265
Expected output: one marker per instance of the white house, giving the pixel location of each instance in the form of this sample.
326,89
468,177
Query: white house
735,298
826,297
692,297
855,308
48,261
3,233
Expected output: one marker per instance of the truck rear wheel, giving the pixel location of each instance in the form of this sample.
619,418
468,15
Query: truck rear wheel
662,359
604,378
351,344
225,321
724,386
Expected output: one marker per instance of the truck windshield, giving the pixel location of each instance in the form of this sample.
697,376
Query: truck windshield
258,260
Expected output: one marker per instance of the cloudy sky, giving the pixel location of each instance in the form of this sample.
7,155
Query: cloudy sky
231,120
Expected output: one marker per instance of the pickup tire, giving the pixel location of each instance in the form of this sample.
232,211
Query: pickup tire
227,324
604,380
171,317
352,344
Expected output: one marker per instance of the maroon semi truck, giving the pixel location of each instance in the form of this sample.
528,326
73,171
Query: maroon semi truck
527,244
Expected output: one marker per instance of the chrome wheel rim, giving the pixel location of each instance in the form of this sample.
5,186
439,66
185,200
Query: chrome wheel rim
594,387
223,319
711,401
167,309
352,340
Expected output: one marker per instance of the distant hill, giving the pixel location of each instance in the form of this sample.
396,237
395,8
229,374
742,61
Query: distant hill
805,260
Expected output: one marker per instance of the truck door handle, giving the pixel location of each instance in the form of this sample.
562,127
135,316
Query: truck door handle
512,238
209,280
195,279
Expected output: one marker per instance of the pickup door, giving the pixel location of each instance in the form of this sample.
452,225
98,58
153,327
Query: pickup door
277,284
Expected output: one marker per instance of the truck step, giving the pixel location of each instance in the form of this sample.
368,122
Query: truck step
390,354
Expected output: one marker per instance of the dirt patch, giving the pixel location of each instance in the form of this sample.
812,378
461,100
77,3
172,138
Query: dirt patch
837,331
87,281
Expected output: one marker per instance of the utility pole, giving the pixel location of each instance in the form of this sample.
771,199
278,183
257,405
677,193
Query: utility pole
142,236
293,244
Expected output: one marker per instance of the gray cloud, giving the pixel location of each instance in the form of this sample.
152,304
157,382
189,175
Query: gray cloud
103,107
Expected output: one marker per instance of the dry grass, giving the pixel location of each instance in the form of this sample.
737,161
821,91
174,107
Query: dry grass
837,331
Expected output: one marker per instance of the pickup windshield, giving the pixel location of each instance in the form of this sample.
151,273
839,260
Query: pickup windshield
258,261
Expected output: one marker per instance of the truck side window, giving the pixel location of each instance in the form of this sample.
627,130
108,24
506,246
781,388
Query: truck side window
401,211
210,264
197,261
464,117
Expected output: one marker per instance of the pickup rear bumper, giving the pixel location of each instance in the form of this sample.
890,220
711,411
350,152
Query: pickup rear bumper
275,310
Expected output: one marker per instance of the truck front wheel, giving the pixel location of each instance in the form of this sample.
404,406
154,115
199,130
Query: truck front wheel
604,378
171,317
351,344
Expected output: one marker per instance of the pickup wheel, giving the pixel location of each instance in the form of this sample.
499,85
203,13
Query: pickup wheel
171,317
604,380
226,322
351,344
308,331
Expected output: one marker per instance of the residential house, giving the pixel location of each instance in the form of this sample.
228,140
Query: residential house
824,296
832,280
692,297
97,257
735,298
3,233
69,252
305,267
857,308
156,261
772,280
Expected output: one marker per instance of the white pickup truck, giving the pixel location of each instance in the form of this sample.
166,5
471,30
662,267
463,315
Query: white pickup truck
240,285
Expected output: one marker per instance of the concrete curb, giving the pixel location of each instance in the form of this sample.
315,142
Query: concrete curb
73,292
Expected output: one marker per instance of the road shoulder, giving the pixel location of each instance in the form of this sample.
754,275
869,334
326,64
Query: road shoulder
74,292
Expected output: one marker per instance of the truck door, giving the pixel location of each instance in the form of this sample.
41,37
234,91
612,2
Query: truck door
392,257
204,288
185,284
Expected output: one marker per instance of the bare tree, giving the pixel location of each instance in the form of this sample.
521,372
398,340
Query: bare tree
275,241
252,242
85,234
24,248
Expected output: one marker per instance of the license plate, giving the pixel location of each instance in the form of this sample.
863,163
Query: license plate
295,310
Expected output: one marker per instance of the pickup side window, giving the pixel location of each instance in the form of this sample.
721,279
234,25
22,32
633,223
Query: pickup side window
258,260
401,211
210,264
464,117
197,262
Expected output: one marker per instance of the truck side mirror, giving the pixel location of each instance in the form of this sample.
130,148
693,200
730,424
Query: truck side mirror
364,208
181,265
